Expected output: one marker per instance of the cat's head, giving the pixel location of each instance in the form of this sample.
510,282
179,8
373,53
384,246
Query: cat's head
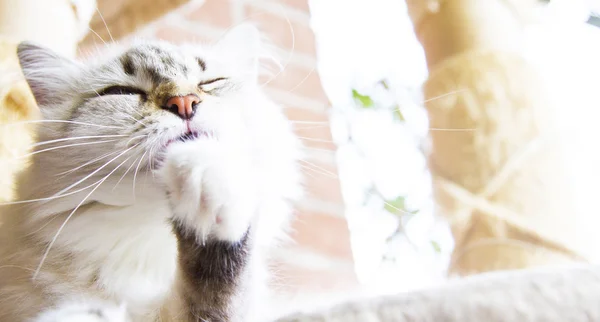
139,99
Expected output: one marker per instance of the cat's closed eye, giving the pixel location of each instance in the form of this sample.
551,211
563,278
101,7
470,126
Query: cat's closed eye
121,90
212,84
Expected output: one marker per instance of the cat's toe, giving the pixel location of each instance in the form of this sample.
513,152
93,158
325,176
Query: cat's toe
233,221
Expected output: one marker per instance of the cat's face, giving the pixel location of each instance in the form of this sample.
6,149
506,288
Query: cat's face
147,96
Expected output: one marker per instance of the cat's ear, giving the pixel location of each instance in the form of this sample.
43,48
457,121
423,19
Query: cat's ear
242,47
47,73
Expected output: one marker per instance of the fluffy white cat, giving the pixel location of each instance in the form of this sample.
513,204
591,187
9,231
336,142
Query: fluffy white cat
161,178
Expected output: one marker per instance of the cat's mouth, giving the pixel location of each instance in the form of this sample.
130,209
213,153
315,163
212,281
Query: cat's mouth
189,136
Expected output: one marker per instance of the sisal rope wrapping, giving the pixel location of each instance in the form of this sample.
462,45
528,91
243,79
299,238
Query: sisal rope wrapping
501,183
17,106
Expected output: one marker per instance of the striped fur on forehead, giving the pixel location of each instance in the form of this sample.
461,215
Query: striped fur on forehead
160,64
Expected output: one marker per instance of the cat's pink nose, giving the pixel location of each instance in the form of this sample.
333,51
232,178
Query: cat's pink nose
184,106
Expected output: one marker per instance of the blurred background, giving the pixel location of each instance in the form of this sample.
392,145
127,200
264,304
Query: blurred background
352,82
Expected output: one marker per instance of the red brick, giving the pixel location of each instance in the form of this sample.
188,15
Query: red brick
301,279
326,234
298,80
277,29
312,127
213,12
179,35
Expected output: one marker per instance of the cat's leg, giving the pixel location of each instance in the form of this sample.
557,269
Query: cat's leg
213,203
88,311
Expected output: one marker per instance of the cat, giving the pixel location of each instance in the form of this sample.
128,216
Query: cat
162,178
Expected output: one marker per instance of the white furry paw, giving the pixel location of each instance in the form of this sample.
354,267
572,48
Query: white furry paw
85,312
210,190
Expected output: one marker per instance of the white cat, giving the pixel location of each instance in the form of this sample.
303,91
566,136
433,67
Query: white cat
161,179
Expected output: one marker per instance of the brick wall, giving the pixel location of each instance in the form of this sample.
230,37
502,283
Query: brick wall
319,263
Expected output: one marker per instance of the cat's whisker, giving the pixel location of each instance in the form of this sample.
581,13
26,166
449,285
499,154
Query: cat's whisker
135,138
320,150
137,121
314,139
309,173
48,198
63,147
131,117
311,127
137,168
309,122
17,266
62,226
124,174
97,35
105,25
55,196
302,80
95,171
444,95
63,121
451,130
292,50
87,163
393,207
78,138
323,171
151,158
138,113
32,233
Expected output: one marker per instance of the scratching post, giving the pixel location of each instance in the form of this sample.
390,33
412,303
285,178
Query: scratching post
56,24
498,172
51,23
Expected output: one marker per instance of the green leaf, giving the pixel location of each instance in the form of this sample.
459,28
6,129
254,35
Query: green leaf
398,114
397,204
364,100
436,246
384,83
398,207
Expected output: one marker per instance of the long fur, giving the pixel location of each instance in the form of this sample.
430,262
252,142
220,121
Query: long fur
120,216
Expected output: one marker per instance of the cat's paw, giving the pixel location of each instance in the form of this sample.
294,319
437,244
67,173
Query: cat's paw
85,312
209,189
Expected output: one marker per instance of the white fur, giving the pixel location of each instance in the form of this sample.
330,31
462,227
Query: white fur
96,311
120,236
211,189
